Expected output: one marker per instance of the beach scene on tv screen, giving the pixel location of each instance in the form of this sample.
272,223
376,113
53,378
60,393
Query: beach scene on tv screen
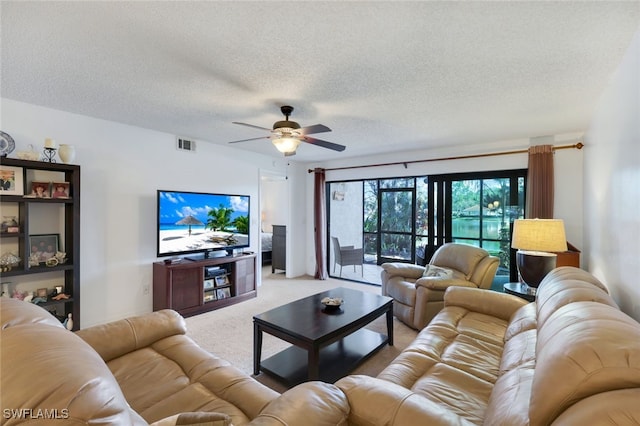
193,221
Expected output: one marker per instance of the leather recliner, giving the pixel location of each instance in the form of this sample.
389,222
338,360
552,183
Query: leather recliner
417,298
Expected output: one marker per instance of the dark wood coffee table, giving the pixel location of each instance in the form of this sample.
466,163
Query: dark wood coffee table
327,345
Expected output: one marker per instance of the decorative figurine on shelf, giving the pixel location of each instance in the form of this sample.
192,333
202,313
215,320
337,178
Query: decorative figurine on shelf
28,297
61,257
5,290
50,148
34,260
68,322
38,299
8,261
18,294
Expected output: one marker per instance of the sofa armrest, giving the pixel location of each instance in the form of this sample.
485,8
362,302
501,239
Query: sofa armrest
487,302
311,403
120,337
406,270
434,283
375,402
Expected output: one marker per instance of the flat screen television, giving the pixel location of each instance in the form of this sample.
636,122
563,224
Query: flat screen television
203,224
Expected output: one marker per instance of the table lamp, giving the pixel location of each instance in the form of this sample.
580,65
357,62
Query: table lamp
535,239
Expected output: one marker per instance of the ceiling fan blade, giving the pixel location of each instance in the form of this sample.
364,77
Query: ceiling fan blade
251,125
251,139
324,144
316,128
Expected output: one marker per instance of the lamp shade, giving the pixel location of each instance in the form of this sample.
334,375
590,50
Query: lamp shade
546,235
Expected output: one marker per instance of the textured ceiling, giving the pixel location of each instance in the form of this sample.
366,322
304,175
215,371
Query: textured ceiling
384,76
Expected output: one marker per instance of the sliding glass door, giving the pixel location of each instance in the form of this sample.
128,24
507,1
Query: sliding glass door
345,228
407,219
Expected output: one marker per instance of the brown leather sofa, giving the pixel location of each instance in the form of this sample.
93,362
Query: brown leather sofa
569,358
417,299
134,372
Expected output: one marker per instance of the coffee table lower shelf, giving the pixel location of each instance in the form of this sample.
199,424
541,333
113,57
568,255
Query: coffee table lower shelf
336,360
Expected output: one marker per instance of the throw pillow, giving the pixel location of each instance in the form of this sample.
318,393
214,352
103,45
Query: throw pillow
195,419
431,271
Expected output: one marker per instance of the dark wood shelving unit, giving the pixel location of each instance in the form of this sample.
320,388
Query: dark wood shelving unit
69,231
181,286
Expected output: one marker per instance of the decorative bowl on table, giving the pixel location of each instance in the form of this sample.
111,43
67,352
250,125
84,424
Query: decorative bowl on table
332,303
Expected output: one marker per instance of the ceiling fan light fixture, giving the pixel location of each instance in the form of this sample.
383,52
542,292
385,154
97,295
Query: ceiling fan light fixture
286,135
286,145
285,125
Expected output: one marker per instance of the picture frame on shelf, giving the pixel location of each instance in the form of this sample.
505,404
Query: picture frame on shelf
222,280
11,180
40,190
223,293
60,190
208,284
42,292
43,246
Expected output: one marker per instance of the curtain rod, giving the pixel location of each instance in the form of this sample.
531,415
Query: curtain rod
578,145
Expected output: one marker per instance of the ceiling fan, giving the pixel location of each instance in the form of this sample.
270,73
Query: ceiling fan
286,135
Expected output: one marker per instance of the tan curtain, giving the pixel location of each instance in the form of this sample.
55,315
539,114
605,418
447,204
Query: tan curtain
319,214
540,183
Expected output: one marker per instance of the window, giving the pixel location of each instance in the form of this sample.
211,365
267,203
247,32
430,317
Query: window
407,219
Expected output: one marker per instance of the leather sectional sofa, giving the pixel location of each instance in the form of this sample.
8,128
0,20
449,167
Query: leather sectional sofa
137,371
570,358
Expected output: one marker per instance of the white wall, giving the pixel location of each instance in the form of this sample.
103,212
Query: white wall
274,201
121,168
299,223
612,185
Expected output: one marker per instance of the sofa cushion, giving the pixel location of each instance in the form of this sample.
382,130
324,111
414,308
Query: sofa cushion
16,312
564,273
610,408
378,402
118,338
175,375
402,290
406,270
461,257
453,361
555,294
523,319
64,375
509,402
313,402
583,349
442,284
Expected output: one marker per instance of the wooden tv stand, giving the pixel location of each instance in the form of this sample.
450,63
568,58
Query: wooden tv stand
195,286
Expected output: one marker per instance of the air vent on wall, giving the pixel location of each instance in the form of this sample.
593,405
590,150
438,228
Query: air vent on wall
183,144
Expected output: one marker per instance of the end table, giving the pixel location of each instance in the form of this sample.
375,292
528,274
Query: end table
520,290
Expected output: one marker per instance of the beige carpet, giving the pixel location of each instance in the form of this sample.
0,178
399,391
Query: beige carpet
228,332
